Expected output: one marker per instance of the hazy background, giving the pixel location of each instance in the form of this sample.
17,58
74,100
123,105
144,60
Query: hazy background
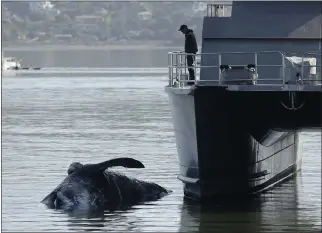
94,23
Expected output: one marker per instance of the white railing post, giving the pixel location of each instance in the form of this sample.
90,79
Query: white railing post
302,68
256,59
180,69
219,71
170,63
256,66
283,69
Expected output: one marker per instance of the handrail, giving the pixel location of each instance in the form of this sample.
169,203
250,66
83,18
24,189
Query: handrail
213,9
318,53
177,66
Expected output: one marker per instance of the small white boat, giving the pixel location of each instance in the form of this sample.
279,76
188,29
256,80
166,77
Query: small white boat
10,63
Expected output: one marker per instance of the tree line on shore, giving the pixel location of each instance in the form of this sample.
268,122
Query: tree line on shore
98,22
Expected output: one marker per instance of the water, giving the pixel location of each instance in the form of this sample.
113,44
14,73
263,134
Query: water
61,57
50,121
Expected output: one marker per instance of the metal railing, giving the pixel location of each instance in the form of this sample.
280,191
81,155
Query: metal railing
178,68
219,10
302,78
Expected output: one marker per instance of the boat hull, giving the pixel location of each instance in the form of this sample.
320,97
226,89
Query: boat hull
233,143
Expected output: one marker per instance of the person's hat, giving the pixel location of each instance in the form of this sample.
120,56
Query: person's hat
183,26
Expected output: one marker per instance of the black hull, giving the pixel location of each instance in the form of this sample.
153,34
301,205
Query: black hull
238,143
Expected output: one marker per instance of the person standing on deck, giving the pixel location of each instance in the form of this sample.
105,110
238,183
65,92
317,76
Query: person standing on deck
190,46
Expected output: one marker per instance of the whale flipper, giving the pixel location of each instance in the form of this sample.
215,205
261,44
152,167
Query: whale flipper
101,167
122,162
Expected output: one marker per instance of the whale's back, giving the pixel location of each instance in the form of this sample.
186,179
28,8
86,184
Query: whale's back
132,191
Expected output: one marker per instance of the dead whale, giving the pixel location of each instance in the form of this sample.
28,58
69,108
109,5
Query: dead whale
91,187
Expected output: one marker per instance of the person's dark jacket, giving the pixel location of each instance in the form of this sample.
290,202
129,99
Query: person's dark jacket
190,42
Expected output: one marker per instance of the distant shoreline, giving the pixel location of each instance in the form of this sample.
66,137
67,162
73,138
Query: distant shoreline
38,47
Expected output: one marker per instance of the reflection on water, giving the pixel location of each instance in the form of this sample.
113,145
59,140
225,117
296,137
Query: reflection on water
228,218
94,222
47,123
278,211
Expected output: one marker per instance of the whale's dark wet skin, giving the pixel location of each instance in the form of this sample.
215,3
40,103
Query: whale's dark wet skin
91,187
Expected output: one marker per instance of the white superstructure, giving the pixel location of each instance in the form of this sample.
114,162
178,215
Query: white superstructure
10,63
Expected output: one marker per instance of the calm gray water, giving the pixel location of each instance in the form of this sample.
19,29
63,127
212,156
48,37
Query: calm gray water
91,58
50,121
